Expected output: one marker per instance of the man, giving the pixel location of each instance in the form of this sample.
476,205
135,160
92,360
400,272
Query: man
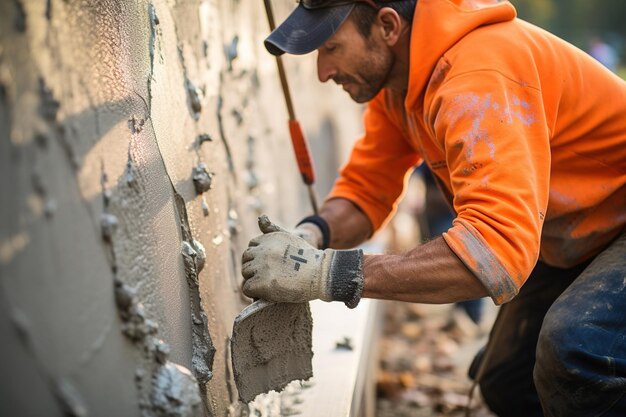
526,136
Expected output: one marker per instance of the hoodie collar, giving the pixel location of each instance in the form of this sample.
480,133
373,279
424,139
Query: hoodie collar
438,25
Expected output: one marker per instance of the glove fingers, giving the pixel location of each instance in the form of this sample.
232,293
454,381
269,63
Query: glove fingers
255,241
266,225
252,289
248,254
247,270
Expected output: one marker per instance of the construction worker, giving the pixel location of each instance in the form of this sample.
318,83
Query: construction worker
526,136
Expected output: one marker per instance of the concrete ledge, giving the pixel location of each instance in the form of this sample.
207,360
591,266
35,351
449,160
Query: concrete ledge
345,346
345,361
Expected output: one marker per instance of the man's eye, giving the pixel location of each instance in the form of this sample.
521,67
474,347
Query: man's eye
331,48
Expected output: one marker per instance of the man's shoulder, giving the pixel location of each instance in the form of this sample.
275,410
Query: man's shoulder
492,41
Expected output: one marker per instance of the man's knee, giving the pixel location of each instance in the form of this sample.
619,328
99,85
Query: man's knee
574,368
570,349
555,347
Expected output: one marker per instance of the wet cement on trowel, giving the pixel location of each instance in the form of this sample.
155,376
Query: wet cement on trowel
271,346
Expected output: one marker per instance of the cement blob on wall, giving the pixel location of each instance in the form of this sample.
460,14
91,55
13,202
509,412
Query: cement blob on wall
139,141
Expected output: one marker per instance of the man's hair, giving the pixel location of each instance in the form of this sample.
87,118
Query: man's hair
364,15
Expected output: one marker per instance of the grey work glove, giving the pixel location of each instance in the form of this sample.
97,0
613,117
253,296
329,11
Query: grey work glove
309,232
282,267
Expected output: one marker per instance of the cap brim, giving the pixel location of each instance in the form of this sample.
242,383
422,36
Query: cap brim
306,30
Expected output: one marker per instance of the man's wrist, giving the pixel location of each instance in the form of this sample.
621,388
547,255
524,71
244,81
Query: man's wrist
322,226
309,232
345,276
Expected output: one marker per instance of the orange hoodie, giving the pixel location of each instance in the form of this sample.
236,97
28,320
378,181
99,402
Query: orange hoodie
525,133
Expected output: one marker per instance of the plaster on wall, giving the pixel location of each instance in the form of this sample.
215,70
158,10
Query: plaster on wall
106,109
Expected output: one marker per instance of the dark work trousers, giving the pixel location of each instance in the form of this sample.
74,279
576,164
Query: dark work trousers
561,347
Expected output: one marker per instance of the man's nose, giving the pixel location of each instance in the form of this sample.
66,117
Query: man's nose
325,69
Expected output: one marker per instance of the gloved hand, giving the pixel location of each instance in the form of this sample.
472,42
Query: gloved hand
282,267
309,232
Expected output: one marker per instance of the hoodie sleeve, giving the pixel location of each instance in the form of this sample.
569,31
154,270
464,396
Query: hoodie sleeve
498,156
374,176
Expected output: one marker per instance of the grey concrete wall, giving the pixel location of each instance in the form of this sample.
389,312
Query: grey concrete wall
139,141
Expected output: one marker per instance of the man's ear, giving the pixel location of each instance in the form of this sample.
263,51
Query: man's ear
390,25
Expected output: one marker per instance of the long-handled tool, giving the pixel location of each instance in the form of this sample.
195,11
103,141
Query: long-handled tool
298,140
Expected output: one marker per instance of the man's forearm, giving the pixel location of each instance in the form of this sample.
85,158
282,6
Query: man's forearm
349,226
430,273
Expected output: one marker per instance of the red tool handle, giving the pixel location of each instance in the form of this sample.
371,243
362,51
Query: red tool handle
303,154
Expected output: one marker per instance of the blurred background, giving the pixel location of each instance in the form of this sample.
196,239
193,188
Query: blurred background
594,26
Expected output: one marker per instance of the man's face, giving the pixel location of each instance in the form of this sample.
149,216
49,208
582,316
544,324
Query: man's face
361,66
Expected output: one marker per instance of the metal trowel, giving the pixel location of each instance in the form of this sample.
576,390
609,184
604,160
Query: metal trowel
271,346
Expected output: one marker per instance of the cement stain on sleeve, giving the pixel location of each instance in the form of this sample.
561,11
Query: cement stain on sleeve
271,346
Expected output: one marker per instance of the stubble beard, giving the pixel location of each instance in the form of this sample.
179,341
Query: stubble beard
374,74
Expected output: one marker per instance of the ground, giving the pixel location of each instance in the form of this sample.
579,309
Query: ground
425,353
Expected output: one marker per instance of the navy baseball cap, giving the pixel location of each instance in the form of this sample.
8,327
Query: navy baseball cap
310,24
